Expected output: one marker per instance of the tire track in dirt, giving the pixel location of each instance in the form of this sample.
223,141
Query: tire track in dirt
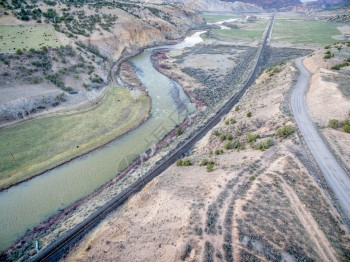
321,242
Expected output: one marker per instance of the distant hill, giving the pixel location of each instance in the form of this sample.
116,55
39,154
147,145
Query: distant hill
268,4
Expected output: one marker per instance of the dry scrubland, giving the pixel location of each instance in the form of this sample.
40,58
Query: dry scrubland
329,97
254,206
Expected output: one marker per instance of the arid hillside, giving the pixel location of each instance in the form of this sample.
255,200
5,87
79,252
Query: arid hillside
60,55
246,192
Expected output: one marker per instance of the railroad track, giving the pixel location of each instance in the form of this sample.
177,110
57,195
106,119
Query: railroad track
59,247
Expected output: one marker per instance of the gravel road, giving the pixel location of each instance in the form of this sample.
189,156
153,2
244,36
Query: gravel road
337,178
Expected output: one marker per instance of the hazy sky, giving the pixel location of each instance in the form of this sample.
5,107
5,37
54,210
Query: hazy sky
307,1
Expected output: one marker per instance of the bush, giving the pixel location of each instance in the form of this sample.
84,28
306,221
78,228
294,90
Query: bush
227,122
339,66
264,145
179,131
249,114
346,128
219,152
19,52
236,108
187,162
285,131
204,162
182,162
251,138
222,137
228,145
233,121
216,133
229,137
210,166
60,97
179,162
252,178
333,123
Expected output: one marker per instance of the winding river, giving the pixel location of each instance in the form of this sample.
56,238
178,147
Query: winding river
26,205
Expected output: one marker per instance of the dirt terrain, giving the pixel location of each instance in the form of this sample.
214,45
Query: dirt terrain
254,206
329,98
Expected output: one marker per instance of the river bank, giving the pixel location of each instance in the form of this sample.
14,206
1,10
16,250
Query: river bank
126,161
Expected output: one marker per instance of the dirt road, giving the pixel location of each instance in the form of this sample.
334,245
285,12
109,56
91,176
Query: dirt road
335,175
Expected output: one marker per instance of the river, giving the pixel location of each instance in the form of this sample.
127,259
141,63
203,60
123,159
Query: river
28,204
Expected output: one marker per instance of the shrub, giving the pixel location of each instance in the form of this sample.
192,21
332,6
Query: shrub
179,162
333,123
252,178
339,66
236,108
19,52
182,162
204,162
210,166
346,128
229,137
251,138
327,47
233,121
285,131
249,114
216,133
222,137
179,131
228,145
227,122
187,162
219,152
68,89
264,145
60,97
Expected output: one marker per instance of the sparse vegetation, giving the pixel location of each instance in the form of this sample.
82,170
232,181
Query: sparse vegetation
251,138
183,162
285,131
266,144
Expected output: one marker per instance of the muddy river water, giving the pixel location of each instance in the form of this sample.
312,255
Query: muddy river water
26,205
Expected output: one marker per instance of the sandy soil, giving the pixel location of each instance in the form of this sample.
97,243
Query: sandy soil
326,100
254,205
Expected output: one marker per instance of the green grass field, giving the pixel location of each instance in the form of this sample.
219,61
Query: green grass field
19,37
249,31
32,147
304,32
217,18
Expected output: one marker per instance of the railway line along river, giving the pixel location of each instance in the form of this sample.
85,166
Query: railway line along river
26,205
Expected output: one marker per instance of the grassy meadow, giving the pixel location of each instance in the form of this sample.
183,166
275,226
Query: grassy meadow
304,32
37,145
216,17
248,31
13,37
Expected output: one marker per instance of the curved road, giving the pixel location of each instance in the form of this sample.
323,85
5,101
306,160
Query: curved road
336,177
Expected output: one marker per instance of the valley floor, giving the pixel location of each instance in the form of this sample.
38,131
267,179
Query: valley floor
255,205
